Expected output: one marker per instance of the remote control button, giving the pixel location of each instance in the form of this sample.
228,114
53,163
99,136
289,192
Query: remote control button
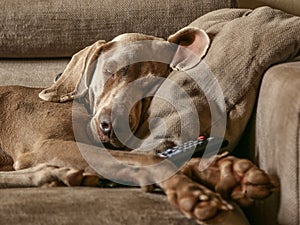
168,151
201,138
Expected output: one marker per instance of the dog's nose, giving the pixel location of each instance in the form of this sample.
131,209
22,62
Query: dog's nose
105,124
105,127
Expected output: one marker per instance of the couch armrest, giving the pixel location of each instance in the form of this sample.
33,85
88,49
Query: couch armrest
278,140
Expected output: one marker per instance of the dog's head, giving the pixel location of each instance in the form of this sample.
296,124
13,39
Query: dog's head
116,79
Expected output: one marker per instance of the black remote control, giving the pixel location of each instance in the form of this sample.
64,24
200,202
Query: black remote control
199,146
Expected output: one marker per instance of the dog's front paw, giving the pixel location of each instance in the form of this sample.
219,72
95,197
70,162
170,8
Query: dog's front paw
193,199
49,176
253,183
236,179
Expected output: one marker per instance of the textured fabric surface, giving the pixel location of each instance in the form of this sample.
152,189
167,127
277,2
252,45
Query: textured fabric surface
278,140
31,73
94,206
245,44
88,206
290,6
58,28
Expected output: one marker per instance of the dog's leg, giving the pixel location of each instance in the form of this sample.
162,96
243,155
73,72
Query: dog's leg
191,198
41,175
236,179
58,161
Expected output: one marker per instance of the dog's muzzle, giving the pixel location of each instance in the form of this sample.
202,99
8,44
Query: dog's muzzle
104,126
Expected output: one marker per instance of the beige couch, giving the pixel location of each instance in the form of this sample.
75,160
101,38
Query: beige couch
37,38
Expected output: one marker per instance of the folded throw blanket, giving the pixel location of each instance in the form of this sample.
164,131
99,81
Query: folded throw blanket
245,43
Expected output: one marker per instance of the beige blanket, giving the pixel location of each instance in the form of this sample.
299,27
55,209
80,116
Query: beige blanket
245,44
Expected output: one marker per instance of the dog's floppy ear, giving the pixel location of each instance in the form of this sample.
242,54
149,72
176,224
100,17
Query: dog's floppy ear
74,81
193,44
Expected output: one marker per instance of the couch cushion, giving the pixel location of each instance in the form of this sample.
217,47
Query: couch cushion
277,140
88,206
57,28
30,72
95,206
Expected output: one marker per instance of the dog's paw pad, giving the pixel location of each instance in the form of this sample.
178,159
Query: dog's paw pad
196,201
254,184
236,179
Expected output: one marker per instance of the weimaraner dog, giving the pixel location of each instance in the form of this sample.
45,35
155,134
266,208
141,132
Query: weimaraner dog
43,133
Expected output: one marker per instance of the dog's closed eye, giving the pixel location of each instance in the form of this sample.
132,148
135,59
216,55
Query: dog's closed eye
110,68
114,71
108,72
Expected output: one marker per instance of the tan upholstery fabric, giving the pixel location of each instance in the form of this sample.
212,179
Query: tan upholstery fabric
244,45
86,206
290,6
242,49
58,28
31,73
278,139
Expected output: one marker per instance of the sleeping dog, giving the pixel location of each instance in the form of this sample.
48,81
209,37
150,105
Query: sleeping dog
103,106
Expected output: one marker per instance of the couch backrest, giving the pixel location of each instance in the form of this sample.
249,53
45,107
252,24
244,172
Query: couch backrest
290,6
55,28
